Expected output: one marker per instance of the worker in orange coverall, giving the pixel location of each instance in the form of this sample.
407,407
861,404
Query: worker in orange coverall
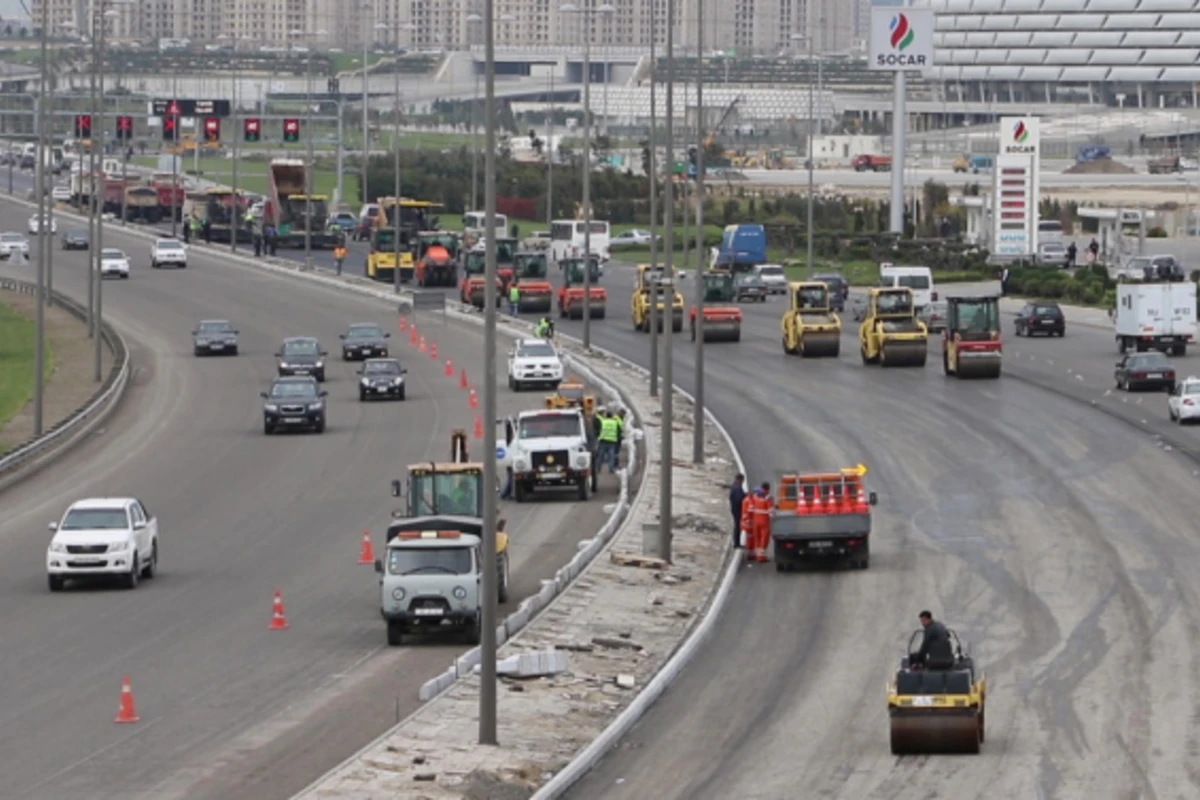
761,522
747,524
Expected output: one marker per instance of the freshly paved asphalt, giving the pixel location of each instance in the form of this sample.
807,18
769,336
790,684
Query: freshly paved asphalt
230,709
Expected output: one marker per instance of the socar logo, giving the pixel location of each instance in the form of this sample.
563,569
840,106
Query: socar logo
1020,133
902,33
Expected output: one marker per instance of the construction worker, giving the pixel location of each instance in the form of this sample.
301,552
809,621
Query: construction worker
761,522
514,300
544,329
620,437
339,256
936,651
610,432
746,524
737,498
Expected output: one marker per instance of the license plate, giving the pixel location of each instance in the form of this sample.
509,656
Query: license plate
820,544
1154,375
87,562
216,347
293,420
552,475
922,701
300,371
381,389
428,612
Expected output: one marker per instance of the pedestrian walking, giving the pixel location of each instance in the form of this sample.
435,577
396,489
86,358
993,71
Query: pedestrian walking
339,256
610,430
1004,281
737,494
1072,253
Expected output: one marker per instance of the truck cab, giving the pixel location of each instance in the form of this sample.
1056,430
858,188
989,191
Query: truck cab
550,449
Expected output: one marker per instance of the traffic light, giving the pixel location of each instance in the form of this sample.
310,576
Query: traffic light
83,126
251,129
212,129
124,129
291,130
170,129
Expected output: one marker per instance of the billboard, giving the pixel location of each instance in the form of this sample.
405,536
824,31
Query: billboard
901,39
1019,136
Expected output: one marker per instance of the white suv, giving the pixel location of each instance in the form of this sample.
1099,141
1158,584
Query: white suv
168,252
534,361
13,244
103,538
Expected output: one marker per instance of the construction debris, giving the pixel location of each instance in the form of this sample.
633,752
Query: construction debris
533,665
643,562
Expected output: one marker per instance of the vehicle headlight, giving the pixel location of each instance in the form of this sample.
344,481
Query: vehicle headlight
317,406
320,364
397,594
284,365
365,382
58,547
460,593
118,547
271,407
581,461
399,381
520,464
202,341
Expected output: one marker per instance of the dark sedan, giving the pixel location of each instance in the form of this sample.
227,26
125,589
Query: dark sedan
1145,371
752,288
294,403
75,240
364,340
302,355
1040,317
381,378
215,337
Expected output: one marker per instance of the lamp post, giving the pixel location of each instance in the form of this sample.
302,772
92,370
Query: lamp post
668,394
105,12
653,165
698,392
236,210
549,157
472,21
39,347
812,115
308,135
366,132
396,158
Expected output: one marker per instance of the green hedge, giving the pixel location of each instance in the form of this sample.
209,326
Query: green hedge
1089,286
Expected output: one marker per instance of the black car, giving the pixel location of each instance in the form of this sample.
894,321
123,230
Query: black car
294,403
839,290
751,287
215,337
1042,316
302,355
381,378
75,240
1145,371
364,340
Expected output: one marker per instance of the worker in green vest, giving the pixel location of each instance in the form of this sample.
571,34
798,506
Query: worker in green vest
610,434
514,300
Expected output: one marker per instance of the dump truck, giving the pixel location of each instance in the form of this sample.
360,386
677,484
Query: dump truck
647,278
872,163
938,706
971,346
296,215
722,317
172,194
810,327
822,516
474,283
384,253
141,205
890,334
113,193
1165,165
571,293
221,209
436,258
530,276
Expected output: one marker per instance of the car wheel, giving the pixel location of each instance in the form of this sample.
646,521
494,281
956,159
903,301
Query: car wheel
135,570
151,569
474,632
502,591
320,376
401,395
233,351
319,427
395,634
362,396
196,352
55,582
519,491
582,490
268,428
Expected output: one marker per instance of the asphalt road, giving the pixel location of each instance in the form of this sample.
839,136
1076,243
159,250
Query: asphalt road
1056,536
229,709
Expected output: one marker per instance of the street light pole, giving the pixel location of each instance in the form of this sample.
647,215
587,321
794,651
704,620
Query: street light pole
698,415
97,338
396,175
587,188
92,185
308,171
366,133
812,118
550,158
39,347
235,212
487,650
653,165
668,414
474,125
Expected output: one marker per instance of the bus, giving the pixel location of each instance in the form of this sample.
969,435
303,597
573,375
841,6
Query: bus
474,224
567,239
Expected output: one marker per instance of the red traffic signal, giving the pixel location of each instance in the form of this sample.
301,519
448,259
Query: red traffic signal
291,130
124,129
83,126
170,128
252,129
212,129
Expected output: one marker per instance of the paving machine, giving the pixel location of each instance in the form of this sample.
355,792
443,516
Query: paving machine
570,294
530,275
810,327
436,259
971,346
890,334
937,707
474,284
822,516
722,317
647,277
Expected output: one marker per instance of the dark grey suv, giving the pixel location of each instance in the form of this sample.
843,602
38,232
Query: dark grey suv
302,355
381,378
364,340
294,403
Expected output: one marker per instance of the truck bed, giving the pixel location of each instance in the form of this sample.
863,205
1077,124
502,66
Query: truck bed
819,526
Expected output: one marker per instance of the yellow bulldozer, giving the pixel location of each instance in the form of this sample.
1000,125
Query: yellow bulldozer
810,328
647,277
938,705
890,334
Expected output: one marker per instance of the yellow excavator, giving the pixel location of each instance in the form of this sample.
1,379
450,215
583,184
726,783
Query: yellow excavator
810,327
890,334
937,706
647,277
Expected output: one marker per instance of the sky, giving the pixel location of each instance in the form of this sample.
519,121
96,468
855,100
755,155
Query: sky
11,9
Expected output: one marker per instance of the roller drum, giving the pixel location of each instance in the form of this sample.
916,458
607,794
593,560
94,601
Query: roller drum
942,732
719,332
820,345
902,354
979,368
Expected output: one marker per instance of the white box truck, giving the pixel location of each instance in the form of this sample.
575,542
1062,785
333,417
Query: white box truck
1155,316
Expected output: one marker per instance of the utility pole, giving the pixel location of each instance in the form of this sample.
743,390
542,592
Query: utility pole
812,122
487,649
98,245
698,415
587,187
175,158
92,185
43,240
653,165
308,170
396,178
475,129
236,213
366,131
550,159
668,393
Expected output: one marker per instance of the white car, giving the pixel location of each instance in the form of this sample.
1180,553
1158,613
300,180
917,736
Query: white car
168,252
61,194
13,244
114,263
632,237
774,277
1183,404
532,362
35,225
108,537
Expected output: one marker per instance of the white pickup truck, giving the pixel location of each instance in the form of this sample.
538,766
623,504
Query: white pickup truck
1155,316
168,253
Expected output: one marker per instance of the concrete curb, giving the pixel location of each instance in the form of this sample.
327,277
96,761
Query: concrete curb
34,455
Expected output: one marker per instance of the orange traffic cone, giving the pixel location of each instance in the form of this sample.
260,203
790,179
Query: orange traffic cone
860,502
449,368
462,379
433,350
125,711
366,555
278,620
472,400
402,324
421,344
478,427
802,508
412,336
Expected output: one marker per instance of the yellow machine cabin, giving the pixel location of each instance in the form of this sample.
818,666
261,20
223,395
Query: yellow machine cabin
571,394
647,277
890,334
938,706
809,325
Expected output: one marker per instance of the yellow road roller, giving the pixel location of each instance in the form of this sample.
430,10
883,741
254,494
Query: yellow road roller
937,708
971,346
810,327
890,334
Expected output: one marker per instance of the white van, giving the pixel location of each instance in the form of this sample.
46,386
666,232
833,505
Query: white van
919,279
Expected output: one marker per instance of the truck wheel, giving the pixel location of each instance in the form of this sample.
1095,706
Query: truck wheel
519,491
474,632
582,487
395,634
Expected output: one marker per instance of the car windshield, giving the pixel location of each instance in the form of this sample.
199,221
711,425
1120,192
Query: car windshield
295,389
913,281
536,350
446,493
749,280
302,347
1138,263
381,368
364,332
543,426
167,243
113,254
1046,311
76,235
215,327
11,237
771,272
1190,388
1148,361
415,560
81,519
